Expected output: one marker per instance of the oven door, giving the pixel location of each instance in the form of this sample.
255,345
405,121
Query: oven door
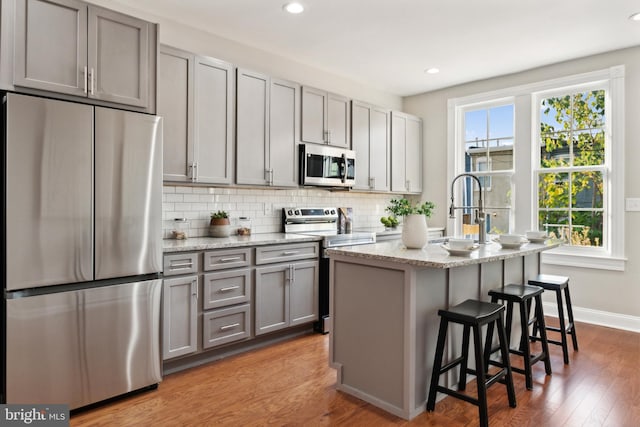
326,166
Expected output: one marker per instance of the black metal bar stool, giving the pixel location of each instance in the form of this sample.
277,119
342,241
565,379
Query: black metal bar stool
550,282
472,314
523,295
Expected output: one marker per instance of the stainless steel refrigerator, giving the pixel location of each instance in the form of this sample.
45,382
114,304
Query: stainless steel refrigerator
81,253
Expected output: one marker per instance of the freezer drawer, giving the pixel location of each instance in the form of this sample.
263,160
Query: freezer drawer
84,346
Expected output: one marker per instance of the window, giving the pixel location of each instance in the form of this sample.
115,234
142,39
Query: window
550,156
488,154
572,173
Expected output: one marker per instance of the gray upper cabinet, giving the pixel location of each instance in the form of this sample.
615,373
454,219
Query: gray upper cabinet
252,128
370,127
175,105
72,48
325,118
213,121
51,57
267,126
406,153
118,47
195,98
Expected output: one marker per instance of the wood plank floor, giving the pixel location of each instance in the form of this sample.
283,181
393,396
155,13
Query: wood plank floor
290,384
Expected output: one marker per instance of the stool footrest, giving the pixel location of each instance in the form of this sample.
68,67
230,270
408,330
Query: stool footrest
451,365
459,395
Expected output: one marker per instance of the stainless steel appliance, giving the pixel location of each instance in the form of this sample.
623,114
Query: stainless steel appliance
327,166
82,253
322,222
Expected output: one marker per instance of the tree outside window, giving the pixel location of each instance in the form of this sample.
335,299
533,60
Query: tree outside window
571,176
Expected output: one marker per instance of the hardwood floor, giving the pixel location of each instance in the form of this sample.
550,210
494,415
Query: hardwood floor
290,384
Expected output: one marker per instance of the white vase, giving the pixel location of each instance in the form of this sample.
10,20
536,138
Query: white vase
414,231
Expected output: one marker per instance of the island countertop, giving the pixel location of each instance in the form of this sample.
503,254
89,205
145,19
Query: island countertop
435,256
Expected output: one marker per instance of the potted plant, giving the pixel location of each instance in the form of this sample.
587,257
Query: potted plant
220,226
414,230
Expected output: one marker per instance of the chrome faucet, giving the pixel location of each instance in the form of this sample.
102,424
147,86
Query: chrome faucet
480,215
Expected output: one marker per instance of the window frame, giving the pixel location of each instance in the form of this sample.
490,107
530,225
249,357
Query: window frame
524,185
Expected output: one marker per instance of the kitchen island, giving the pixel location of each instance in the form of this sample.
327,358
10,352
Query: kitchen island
384,302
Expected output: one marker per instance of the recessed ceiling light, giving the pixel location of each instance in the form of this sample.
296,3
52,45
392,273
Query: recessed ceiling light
635,16
432,70
293,8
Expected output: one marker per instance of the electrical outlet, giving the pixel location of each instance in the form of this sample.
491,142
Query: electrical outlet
632,204
268,209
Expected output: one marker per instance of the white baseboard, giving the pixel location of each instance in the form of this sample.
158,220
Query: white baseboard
597,317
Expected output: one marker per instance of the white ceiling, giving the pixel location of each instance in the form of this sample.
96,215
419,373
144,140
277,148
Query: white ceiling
388,44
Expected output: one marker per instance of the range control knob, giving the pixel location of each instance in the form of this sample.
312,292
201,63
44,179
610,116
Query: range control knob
333,211
297,212
289,212
326,211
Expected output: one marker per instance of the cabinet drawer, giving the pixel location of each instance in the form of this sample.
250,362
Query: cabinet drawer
290,252
226,325
226,288
175,264
232,258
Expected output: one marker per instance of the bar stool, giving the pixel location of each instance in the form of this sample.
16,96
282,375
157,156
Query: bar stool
550,282
472,314
523,295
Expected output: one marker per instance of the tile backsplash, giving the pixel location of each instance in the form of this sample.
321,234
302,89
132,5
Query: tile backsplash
264,207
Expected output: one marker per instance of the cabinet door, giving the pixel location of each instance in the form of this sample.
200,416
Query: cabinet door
398,152
180,315
360,137
176,105
379,150
213,121
118,47
338,121
252,128
413,162
272,298
303,293
51,45
314,112
284,128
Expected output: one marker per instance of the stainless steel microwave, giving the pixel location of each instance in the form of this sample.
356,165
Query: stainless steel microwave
327,166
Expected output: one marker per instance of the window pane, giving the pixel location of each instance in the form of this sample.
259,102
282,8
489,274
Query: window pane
555,223
554,150
475,123
588,110
587,190
586,229
553,190
501,125
588,147
555,114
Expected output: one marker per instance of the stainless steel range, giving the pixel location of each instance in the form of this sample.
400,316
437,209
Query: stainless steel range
323,222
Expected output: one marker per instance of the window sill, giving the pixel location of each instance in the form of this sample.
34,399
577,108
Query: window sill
567,257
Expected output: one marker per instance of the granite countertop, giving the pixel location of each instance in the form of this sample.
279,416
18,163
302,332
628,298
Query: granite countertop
204,243
434,255
383,231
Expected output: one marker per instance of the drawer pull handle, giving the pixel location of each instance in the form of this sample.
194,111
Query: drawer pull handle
231,326
230,288
182,265
290,252
229,259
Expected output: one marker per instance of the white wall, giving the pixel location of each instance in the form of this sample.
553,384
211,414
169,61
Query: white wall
601,296
183,37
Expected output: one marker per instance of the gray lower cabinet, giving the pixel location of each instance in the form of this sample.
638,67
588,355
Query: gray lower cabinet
285,295
73,48
268,116
180,316
195,98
